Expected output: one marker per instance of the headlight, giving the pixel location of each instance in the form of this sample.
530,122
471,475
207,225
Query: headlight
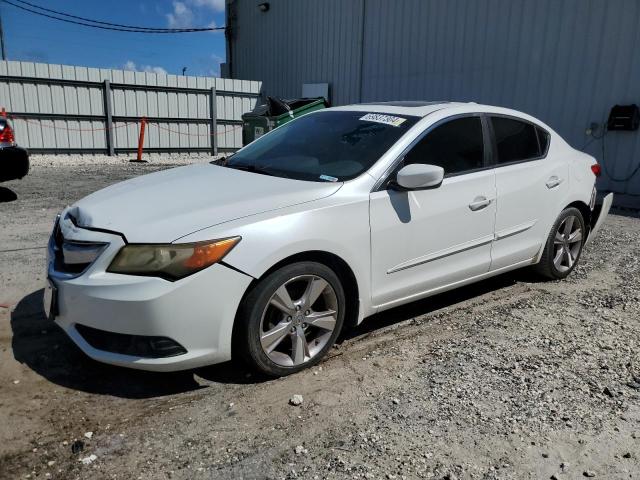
171,261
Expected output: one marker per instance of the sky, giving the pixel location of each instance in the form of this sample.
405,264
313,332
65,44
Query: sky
29,37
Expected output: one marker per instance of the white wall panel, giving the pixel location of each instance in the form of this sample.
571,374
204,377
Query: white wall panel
87,100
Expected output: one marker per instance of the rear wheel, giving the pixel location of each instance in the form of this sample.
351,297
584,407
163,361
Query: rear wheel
291,318
564,245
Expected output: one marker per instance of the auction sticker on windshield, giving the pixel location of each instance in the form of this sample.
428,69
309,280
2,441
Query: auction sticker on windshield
386,119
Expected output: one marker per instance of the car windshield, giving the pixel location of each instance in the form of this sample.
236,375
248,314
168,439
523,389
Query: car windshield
328,146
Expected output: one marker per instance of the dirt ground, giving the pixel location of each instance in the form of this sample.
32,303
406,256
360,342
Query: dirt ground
511,378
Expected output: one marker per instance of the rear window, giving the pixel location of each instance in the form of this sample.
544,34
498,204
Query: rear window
516,141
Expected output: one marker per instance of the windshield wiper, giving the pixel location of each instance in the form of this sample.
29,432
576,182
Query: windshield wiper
252,169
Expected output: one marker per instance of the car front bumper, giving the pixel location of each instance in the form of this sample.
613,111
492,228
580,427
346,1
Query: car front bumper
196,312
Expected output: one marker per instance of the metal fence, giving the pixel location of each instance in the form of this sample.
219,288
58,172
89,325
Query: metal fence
67,109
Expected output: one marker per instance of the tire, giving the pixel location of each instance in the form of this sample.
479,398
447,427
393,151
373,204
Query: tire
280,332
563,247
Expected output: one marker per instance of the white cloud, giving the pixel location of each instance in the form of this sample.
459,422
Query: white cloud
130,65
208,65
159,70
183,15
216,5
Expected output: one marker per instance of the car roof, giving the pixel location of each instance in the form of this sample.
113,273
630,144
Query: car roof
404,107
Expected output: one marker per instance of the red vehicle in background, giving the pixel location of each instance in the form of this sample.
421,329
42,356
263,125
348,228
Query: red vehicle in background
14,160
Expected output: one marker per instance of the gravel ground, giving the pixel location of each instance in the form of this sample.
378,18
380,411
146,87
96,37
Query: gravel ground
510,378
121,160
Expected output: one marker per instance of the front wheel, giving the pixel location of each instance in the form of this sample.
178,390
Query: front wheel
564,245
290,319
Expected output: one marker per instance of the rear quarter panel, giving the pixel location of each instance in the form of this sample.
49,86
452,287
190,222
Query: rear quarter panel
580,175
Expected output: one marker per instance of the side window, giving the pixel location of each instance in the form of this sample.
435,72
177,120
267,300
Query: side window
516,141
456,146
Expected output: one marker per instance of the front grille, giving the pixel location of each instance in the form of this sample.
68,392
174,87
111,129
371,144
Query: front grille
135,345
73,257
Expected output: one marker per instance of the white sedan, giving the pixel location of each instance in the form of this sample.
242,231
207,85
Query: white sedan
326,220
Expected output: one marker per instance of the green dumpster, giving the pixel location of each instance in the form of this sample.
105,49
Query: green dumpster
274,113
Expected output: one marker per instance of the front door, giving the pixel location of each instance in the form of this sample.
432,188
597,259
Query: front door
423,240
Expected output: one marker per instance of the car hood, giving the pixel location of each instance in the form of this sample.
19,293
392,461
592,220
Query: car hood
162,207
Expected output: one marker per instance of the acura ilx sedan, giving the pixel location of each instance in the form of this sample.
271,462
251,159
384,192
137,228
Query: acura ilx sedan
313,227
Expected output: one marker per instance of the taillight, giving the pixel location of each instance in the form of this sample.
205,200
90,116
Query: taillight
596,169
6,135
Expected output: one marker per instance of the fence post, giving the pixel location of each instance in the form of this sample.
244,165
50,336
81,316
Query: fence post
108,122
143,123
213,110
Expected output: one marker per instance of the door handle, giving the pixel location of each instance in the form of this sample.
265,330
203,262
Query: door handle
479,203
553,182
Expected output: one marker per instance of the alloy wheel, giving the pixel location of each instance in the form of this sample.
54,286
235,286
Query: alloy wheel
567,243
298,320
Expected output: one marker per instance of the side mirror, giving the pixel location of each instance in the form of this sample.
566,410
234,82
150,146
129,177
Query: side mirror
419,175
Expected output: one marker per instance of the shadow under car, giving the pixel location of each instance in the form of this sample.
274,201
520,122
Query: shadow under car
45,348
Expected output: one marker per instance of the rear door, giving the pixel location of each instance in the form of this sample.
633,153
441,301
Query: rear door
422,240
530,185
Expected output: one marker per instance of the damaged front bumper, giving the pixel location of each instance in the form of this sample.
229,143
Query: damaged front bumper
143,322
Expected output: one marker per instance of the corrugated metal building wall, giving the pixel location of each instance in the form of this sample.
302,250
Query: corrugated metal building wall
565,61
